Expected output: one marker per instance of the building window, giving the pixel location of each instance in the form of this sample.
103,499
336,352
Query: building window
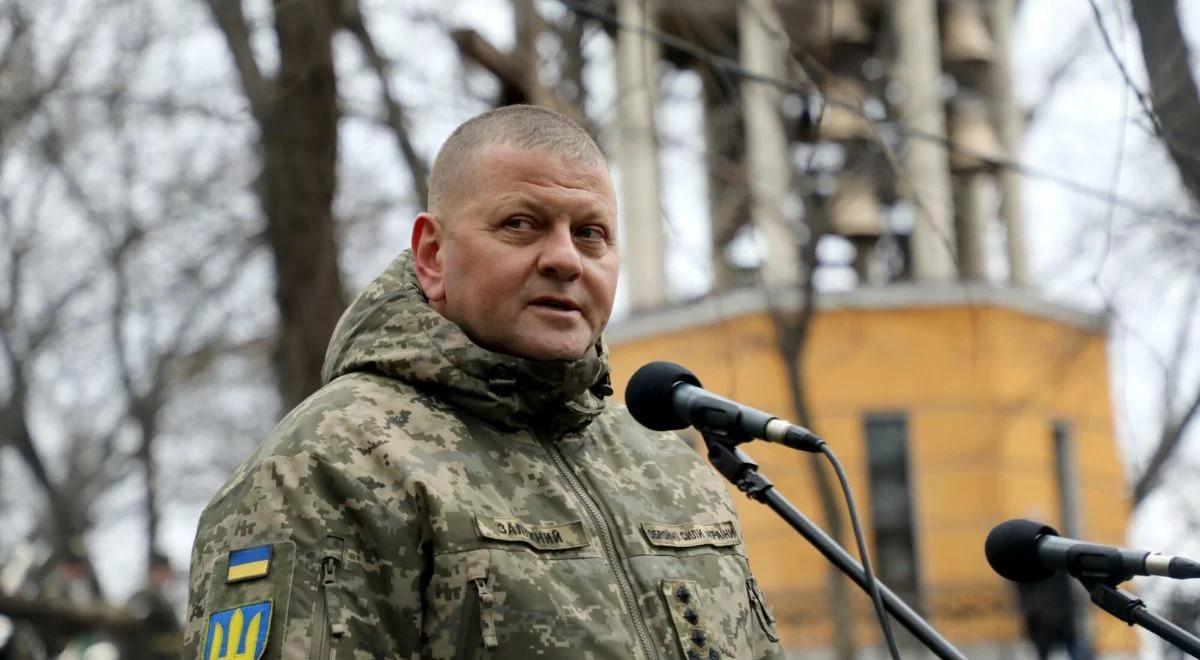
1069,523
1070,520
895,552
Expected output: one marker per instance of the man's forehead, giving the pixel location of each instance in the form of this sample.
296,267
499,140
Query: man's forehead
512,167
537,161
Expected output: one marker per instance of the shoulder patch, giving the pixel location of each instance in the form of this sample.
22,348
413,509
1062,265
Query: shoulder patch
249,563
238,633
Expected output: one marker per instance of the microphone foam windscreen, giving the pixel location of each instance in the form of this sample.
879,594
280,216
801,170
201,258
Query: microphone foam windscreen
1012,550
648,395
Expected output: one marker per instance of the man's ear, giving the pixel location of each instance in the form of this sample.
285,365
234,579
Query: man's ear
427,241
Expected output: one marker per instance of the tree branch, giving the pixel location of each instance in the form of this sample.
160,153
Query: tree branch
515,84
1064,66
1172,437
22,105
352,20
231,19
1174,424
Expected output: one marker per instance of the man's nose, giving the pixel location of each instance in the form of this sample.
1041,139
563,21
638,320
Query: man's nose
560,256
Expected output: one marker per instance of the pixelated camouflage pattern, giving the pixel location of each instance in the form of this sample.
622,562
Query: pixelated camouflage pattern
372,491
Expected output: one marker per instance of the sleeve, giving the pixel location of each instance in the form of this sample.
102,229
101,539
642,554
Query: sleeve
301,558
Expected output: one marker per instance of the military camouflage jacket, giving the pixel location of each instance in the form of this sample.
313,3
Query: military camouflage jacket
437,500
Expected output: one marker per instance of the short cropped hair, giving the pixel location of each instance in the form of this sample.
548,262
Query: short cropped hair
523,126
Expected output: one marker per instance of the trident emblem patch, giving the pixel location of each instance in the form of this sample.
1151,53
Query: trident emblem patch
239,633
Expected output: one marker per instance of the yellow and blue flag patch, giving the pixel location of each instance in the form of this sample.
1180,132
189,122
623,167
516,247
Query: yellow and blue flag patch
238,633
249,563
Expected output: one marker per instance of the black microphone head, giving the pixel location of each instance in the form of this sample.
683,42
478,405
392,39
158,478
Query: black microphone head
1012,550
648,395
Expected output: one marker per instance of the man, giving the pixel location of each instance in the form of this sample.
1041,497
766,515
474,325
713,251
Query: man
1048,609
460,488
158,635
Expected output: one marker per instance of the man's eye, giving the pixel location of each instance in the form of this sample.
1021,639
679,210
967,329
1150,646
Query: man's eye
518,223
590,233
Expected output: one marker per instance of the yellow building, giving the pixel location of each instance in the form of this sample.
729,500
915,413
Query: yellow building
960,407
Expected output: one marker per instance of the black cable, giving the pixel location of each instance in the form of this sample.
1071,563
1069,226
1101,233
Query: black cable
868,571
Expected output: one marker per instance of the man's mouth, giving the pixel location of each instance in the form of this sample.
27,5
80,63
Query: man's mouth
557,304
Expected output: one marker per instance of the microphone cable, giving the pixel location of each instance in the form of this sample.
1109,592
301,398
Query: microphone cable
860,539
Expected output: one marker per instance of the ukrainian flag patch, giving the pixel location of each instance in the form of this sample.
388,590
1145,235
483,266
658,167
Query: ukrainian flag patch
238,633
249,563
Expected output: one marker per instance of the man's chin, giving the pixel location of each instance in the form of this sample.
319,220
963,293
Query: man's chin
552,349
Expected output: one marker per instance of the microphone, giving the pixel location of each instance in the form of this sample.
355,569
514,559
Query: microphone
1027,551
664,396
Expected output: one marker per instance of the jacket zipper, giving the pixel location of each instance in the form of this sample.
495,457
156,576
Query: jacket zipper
329,623
487,613
765,620
610,548
323,643
477,618
469,620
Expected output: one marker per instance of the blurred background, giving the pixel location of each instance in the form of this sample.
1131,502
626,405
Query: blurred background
958,238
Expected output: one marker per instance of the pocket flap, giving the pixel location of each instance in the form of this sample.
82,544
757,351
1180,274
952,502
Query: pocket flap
688,535
561,536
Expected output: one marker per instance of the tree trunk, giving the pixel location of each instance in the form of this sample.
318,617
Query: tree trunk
145,414
792,333
297,116
1173,92
298,181
792,340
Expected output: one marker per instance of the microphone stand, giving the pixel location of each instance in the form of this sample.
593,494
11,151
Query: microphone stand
742,471
1130,609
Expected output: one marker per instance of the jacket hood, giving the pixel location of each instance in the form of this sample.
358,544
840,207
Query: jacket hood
391,330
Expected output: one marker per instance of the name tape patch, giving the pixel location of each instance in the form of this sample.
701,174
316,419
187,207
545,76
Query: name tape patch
689,535
562,536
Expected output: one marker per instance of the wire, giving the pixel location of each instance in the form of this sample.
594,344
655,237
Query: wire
1173,145
1119,161
868,571
1147,107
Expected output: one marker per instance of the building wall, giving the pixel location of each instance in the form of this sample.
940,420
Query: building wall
980,386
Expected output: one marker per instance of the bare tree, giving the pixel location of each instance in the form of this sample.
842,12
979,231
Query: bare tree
112,281
1172,108
29,318
296,114
22,346
295,111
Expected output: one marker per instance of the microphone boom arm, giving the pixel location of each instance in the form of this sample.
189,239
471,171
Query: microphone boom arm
1131,610
742,471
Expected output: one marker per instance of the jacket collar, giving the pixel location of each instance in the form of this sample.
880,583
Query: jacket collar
391,329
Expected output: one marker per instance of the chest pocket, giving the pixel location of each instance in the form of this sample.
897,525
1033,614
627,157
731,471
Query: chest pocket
701,576
528,587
